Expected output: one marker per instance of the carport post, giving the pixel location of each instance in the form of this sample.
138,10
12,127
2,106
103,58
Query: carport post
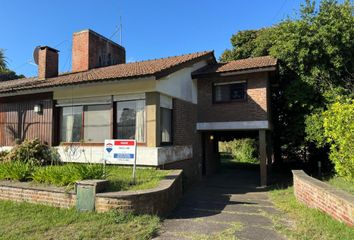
263,157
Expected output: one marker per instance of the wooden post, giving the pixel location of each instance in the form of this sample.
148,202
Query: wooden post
263,157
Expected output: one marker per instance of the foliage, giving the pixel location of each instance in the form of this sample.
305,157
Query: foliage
33,152
5,73
338,124
3,155
341,183
44,222
316,58
15,170
67,174
306,223
242,150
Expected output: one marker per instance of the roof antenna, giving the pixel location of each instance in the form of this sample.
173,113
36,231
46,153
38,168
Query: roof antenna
121,31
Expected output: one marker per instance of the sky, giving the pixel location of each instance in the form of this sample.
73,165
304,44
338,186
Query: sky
151,29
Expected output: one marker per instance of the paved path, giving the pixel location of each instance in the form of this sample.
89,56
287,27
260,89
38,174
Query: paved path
225,206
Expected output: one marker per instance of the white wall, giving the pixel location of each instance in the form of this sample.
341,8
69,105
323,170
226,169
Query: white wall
180,84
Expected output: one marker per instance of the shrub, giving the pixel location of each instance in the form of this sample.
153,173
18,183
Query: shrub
67,174
242,150
338,127
3,155
16,170
33,152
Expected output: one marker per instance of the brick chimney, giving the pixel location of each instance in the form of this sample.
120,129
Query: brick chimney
47,62
92,50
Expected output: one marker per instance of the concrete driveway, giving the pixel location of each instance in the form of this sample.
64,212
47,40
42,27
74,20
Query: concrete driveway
224,206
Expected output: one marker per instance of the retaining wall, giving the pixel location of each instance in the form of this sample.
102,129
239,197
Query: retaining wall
317,194
160,200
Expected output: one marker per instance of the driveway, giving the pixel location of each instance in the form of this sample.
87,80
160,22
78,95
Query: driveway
224,206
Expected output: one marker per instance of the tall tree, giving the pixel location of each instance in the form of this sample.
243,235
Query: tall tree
316,53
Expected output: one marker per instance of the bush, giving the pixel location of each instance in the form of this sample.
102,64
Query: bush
33,152
242,150
67,174
3,155
338,127
16,170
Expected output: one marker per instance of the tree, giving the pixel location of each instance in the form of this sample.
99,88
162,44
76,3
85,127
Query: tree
316,54
5,73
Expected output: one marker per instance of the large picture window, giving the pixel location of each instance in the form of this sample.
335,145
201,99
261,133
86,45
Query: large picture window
85,123
228,92
131,120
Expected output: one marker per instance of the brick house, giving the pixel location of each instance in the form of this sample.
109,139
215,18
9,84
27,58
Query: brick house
176,108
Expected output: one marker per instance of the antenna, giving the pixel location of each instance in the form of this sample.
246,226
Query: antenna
35,54
121,31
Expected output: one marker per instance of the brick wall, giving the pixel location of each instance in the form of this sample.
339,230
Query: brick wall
253,109
160,200
23,192
184,133
317,194
91,50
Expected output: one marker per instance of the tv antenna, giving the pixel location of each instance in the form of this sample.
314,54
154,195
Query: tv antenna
119,28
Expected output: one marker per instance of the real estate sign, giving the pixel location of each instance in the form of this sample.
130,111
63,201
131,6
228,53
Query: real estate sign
121,151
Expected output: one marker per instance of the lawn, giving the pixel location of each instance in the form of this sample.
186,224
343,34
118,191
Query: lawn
306,223
341,183
120,178
29,221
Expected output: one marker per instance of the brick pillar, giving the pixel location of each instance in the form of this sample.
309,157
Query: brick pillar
263,156
153,138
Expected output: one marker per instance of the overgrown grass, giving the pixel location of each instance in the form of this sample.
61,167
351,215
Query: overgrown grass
307,223
29,221
342,183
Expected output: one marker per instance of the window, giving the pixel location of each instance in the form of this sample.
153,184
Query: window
131,120
227,92
97,120
71,124
89,123
166,125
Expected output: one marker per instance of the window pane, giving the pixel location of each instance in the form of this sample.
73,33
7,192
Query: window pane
229,92
166,125
97,123
222,93
131,120
71,124
237,91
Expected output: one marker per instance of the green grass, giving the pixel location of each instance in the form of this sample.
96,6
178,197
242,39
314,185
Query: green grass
120,178
341,183
307,223
29,221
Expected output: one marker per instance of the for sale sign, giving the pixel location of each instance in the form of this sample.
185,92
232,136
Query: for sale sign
120,151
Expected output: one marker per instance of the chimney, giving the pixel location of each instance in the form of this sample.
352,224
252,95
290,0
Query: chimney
92,50
47,62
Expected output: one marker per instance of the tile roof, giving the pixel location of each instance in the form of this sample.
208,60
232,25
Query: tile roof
238,65
156,67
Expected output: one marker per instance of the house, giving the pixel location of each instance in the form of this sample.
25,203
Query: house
176,108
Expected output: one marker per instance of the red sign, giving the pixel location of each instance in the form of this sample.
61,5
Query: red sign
124,143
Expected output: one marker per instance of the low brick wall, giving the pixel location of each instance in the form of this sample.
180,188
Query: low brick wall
27,192
160,200
317,194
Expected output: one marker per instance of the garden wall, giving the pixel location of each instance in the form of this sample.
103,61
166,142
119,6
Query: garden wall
160,200
317,194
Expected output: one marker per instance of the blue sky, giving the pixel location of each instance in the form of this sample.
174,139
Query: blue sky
151,29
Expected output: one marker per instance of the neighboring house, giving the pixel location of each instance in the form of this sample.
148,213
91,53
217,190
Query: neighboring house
177,108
